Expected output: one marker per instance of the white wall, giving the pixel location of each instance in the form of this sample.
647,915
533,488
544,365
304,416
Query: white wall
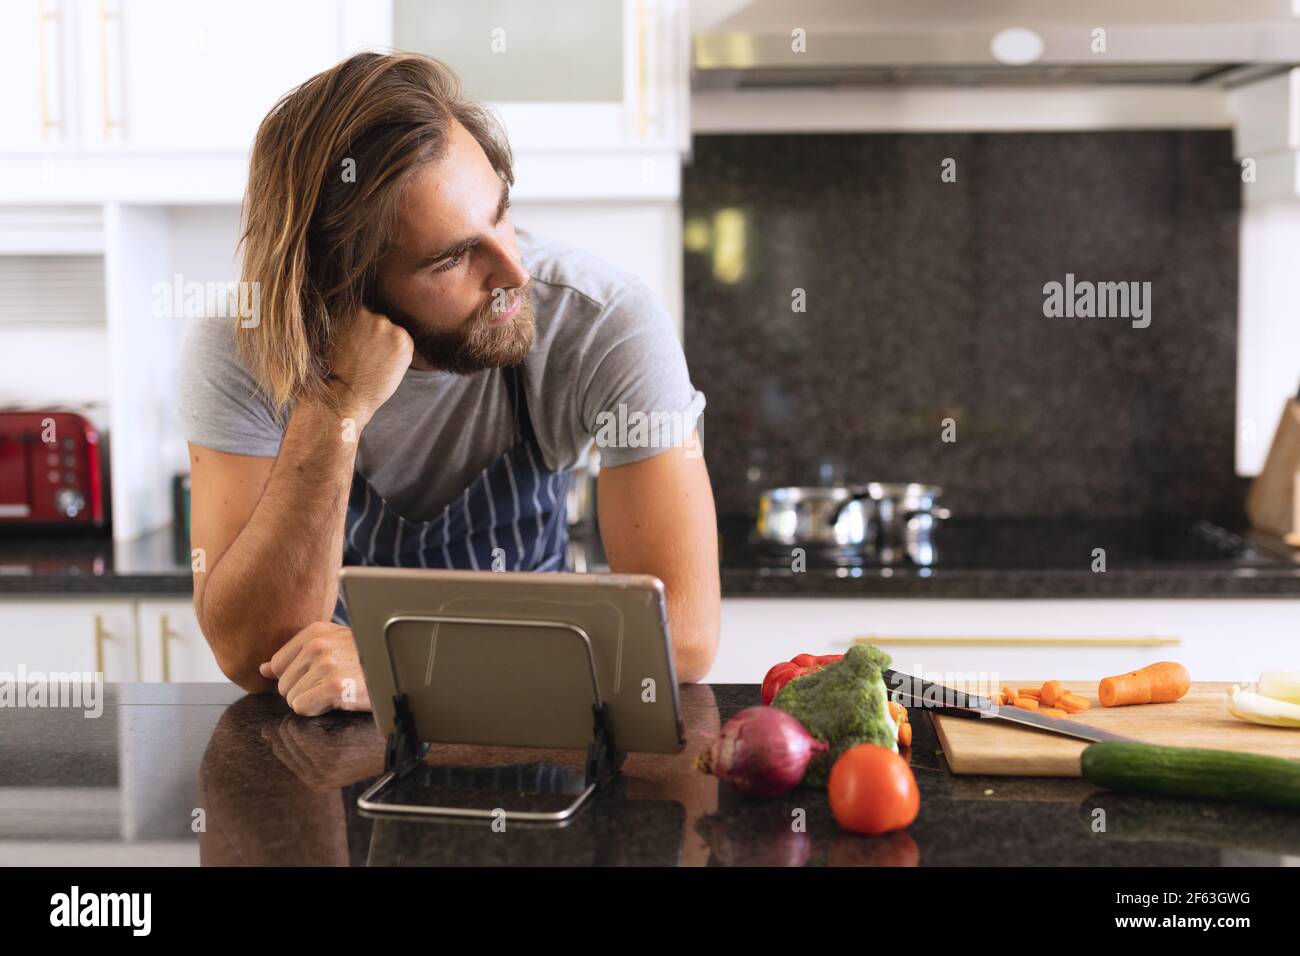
1268,344
641,237
201,247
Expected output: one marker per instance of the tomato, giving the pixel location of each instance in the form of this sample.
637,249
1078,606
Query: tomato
824,659
804,660
872,791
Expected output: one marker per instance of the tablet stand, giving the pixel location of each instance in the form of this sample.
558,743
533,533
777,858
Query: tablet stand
405,751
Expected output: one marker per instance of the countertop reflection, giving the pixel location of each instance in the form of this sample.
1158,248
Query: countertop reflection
202,773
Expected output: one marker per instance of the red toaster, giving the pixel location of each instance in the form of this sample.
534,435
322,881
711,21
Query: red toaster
51,471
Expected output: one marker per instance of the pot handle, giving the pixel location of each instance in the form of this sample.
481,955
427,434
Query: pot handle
941,514
839,509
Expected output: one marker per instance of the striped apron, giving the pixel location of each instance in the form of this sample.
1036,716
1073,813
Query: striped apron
512,517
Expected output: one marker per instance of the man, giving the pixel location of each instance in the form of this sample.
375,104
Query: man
415,386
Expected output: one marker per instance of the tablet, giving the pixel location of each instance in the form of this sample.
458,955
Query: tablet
514,658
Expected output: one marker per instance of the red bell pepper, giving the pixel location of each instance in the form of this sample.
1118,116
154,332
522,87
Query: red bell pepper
786,671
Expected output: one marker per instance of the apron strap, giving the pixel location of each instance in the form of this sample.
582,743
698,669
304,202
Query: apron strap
516,389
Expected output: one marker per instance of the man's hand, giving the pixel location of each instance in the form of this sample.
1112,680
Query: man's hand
327,755
367,360
318,671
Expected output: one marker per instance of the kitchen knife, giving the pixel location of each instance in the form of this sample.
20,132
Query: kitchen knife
912,691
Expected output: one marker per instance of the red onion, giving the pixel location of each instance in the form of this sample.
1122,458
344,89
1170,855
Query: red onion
762,751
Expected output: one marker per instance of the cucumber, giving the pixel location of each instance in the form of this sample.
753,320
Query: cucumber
1193,772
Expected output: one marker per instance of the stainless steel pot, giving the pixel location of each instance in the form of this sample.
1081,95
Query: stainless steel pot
819,517
889,517
906,516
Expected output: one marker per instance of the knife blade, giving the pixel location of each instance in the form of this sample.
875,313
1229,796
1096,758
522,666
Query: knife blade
940,699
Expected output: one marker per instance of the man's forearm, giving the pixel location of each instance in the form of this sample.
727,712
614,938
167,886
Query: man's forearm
691,589
281,571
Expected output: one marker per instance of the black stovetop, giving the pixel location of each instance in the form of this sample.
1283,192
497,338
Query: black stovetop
975,543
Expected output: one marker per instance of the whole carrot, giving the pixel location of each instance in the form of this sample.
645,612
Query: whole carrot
1157,683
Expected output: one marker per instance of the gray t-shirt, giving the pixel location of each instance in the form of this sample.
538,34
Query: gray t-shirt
603,341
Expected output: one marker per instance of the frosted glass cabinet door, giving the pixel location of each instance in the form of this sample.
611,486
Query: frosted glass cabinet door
561,51
564,74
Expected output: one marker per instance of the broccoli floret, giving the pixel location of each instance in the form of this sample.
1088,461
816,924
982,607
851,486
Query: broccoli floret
844,704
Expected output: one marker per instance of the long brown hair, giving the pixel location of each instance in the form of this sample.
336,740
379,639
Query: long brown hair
312,234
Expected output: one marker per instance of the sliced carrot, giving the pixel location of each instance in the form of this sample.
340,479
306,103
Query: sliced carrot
1075,703
1053,712
897,711
1009,694
1027,703
1052,692
1157,683
1033,692
904,735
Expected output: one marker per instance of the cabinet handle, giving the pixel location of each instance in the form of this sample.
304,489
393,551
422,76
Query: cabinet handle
640,70
167,635
43,16
105,14
101,635
1021,641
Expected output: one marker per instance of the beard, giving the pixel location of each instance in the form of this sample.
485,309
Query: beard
478,343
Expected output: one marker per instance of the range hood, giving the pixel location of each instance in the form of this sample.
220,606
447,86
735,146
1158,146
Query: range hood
753,43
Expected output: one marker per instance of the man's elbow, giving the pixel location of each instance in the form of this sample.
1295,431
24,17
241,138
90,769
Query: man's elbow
236,660
246,675
693,657
241,669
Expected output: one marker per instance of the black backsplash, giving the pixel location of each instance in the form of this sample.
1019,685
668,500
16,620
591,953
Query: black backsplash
925,301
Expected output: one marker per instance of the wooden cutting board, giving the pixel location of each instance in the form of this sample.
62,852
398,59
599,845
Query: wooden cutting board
1200,719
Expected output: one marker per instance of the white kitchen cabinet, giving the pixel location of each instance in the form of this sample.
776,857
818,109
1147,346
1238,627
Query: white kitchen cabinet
197,76
34,71
149,639
158,75
172,646
70,635
1015,640
154,101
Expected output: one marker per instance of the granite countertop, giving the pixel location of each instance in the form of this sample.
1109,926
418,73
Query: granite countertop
202,773
1006,560
67,563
